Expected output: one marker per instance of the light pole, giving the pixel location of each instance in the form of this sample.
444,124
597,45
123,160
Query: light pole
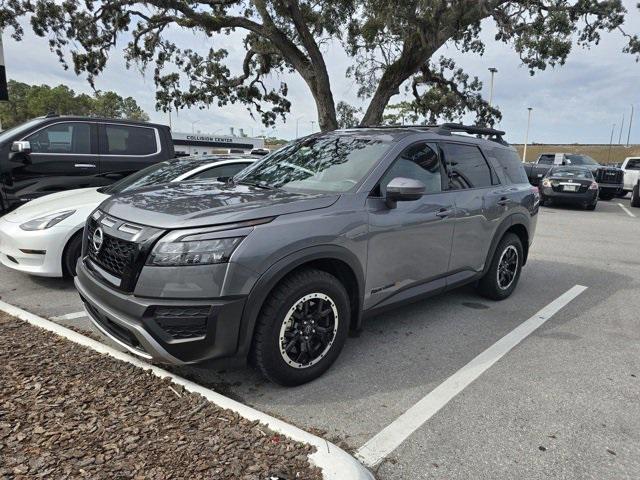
313,125
621,129
193,128
613,129
526,137
297,126
630,123
493,71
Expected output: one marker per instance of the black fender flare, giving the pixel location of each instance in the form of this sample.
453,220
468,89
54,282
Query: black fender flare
513,219
276,272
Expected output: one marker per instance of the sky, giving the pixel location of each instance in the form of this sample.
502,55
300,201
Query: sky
575,103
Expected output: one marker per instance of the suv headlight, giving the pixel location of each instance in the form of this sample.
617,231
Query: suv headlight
48,221
196,252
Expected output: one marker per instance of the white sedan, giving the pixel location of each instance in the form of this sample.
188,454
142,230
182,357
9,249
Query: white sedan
44,236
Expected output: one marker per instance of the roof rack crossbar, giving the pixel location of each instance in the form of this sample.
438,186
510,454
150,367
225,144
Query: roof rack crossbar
472,129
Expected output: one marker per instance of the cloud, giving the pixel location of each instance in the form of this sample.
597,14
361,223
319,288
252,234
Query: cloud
577,102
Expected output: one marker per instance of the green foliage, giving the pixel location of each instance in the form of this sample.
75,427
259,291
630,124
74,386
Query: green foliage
347,115
29,101
392,43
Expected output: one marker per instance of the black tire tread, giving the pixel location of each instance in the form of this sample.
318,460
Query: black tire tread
486,285
635,196
68,264
273,303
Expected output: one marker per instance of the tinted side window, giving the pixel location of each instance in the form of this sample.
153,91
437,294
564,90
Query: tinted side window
73,137
511,165
127,140
466,166
633,164
220,171
546,159
419,162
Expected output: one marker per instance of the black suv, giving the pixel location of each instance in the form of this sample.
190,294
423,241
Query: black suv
53,153
279,262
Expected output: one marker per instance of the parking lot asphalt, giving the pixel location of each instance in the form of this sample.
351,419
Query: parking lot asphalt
561,404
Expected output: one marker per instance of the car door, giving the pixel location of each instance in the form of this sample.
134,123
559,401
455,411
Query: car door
409,245
125,149
63,156
480,205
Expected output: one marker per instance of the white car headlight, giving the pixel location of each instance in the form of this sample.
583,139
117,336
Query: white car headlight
48,221
197,252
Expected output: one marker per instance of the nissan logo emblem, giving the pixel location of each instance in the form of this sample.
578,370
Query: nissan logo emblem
97,240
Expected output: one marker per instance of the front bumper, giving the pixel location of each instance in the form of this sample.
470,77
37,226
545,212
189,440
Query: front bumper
136,323
36,252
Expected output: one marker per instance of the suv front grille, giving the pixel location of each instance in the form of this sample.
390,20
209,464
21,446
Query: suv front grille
115,256
119,260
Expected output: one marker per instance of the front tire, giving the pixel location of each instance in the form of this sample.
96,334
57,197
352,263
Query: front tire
501,279
302,328
71,254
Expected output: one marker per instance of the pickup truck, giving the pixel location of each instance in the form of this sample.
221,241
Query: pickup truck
631,169
54,153
609,179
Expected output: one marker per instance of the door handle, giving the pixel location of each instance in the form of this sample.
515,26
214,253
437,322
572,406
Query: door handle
443,213
504,201
85,165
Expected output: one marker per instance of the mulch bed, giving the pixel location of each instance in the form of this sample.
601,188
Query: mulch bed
69,412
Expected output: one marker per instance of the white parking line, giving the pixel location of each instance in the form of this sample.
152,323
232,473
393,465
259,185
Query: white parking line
392,436
70,316
627,211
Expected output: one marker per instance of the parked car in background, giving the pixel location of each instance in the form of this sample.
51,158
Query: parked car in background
55,153
44,236
569,184
610,179
631,169
282,261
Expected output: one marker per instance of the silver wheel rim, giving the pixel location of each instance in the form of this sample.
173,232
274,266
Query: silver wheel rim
312,321
507,267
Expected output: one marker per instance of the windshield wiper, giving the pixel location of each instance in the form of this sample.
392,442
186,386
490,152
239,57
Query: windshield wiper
262,185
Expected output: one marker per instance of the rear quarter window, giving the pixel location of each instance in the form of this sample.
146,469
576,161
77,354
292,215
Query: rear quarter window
511,165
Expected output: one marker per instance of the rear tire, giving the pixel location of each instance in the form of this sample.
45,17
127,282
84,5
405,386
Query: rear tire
635,196
501,279
71,254
289,324
592,206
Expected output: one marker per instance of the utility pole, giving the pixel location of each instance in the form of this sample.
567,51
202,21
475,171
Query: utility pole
613,129
313,125
493,71
630,123
297,126
621,129
526,137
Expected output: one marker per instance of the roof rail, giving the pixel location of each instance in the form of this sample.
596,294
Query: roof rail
449,128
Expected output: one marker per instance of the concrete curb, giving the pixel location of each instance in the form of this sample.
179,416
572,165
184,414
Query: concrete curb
336,464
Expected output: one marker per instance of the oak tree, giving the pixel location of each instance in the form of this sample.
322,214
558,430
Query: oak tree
394,45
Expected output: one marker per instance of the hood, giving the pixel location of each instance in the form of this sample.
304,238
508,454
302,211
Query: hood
56,202
195,204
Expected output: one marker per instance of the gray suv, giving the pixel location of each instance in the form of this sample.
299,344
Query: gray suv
278,263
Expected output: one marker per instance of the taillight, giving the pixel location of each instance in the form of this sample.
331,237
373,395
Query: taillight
593,186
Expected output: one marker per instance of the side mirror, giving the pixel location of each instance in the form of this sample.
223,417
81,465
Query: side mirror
402,189
21,147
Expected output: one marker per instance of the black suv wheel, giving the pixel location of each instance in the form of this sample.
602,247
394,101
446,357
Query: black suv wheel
302,327
504,272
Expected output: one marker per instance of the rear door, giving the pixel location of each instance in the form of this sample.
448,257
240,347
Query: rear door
64,155
125,149
480,201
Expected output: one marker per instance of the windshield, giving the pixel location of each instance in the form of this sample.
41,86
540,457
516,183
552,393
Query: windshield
158,173
570,172
330,163
18,129
581,160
